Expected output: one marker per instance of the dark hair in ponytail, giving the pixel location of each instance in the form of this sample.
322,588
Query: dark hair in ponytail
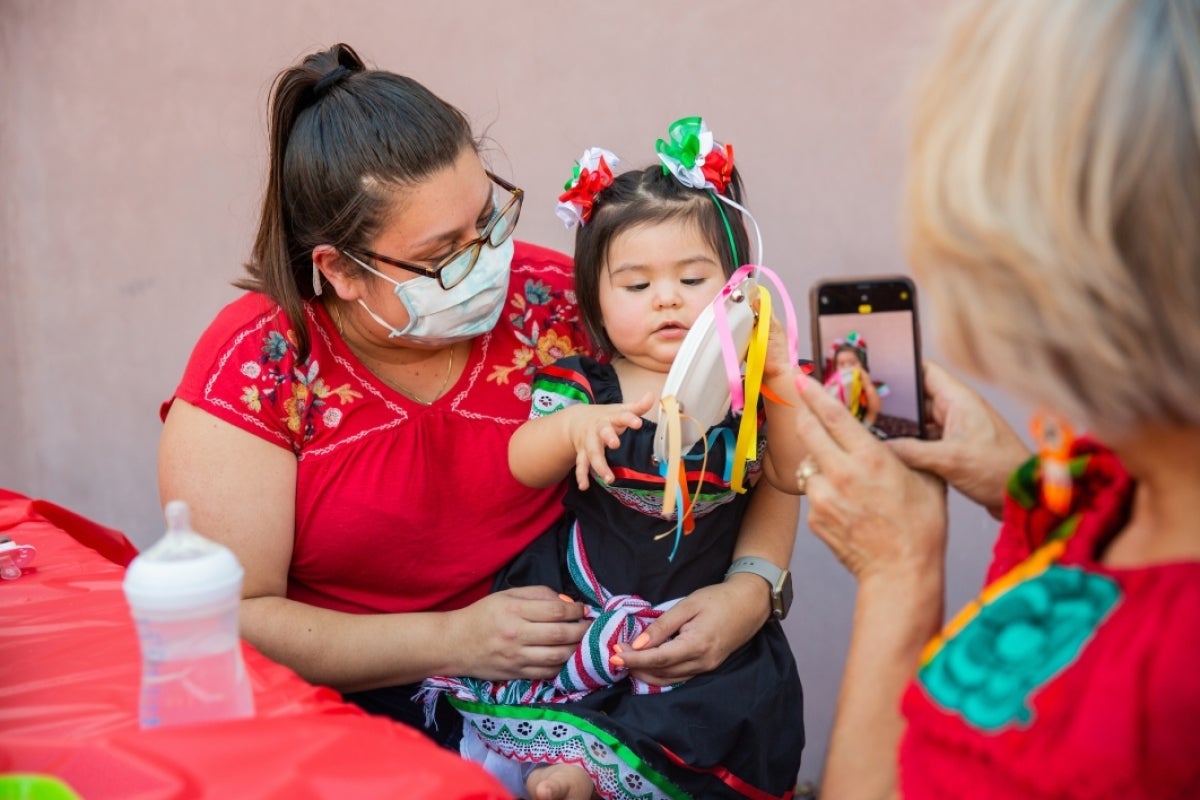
343,138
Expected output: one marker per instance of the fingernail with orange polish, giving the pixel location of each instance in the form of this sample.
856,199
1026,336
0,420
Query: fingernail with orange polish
566,598
620,662
641,641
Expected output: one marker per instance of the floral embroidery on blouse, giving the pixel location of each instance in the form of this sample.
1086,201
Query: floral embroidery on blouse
1016,644
299,394
544,321
1026,627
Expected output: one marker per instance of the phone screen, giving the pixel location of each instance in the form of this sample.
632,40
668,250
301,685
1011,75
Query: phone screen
866,347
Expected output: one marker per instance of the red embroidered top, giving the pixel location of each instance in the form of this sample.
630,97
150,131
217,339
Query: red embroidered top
1066,678
399,506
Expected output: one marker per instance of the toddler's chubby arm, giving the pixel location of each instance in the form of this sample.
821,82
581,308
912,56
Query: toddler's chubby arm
544,449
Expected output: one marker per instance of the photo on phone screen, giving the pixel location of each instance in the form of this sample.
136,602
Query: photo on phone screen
867,351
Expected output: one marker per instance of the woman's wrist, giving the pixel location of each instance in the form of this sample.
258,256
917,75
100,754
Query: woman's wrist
754,592
912,600
450,648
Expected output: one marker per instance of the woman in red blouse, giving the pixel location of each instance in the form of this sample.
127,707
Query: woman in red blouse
343,427
1054,223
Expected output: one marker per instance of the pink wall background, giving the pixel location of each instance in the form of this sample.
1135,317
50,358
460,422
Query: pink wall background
132,147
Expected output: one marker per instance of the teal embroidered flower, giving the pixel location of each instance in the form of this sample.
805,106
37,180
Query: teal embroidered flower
1017,644
275,346
537,293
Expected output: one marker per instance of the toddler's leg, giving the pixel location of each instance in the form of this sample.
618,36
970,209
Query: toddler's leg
510,772
560,782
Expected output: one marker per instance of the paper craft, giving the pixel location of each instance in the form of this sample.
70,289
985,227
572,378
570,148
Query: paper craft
698,379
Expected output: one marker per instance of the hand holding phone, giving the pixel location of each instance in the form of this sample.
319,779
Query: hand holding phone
867,350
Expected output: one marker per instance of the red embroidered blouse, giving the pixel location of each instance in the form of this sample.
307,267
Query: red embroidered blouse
399,506
1066,678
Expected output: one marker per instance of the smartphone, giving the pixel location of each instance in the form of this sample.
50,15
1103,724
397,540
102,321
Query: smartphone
867,350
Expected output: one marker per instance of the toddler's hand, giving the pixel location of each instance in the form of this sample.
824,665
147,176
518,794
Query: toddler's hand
594,428
698,633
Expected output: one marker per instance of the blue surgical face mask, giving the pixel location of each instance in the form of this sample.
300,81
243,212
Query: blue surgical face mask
438,316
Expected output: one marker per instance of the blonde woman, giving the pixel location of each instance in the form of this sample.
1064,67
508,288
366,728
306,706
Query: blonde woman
1054,225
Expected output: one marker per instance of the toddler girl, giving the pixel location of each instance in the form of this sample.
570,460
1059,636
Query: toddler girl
653,249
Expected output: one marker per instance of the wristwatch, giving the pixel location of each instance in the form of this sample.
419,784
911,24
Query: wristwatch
780,581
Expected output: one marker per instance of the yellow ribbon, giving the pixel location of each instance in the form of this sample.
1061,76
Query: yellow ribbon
747,437
670,418
756,361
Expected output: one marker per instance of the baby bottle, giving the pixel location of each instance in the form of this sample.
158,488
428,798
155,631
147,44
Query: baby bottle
184,594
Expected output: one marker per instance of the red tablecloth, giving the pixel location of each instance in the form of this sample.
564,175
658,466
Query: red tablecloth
69,673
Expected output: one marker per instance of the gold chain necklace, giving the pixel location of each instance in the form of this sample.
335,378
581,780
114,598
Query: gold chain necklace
337,321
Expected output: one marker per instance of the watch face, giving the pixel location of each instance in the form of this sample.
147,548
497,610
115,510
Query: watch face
781,597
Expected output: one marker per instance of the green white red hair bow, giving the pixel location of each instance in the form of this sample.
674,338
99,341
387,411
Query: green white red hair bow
695,159
698,161
593,172
853,339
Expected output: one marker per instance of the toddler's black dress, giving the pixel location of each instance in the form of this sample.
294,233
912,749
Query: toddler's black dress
734,732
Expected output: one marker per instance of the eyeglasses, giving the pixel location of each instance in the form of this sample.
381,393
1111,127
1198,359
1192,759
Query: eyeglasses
451,270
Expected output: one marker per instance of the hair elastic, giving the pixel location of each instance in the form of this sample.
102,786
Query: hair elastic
330,79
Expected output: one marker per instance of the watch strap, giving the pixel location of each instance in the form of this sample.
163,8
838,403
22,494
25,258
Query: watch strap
777,579
759,566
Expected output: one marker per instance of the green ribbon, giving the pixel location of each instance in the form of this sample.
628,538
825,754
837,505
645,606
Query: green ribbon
728,228
684,143
575,173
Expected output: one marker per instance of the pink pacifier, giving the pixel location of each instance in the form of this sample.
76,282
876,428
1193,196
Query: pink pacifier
14,557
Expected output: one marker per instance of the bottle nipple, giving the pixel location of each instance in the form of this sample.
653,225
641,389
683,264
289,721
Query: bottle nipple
183,568
179,517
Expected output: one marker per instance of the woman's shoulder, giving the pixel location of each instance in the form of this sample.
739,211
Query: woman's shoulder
532,263
542,270
540,311
250,311
528,257
242,365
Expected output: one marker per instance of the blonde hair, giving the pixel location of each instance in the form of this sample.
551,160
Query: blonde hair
1054,204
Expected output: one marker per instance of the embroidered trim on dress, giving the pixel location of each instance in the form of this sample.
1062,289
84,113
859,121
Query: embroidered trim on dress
551,736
